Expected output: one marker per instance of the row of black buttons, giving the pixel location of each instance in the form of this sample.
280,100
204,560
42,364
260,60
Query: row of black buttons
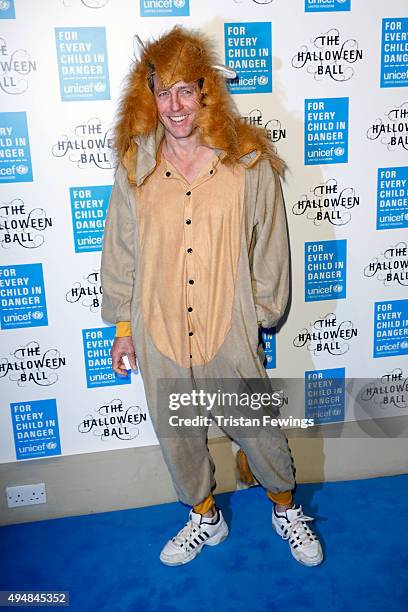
190,250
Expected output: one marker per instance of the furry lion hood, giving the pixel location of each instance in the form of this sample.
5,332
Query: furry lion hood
186,55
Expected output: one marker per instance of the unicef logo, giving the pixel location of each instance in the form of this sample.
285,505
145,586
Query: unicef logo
339,151
51,445
263,80
99,87
4,5
404,344
179,3
337,288
37,314
406,216
21,169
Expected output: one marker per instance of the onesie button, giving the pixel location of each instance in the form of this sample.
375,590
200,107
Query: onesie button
211,171
188,193
168,173
190,309
188,221
190,333
190,250
191,356
191,282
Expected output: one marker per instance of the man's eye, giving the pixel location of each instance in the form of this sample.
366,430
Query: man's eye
187,91
162,94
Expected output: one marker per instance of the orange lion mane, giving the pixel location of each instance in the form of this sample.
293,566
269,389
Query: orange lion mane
185,55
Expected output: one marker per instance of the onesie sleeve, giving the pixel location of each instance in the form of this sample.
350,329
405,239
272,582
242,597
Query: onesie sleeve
118,262
270,257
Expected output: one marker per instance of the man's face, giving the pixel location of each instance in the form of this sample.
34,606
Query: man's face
178,107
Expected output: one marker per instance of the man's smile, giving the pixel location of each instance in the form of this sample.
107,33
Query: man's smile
178,118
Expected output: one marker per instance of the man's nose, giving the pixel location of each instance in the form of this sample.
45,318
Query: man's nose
175,103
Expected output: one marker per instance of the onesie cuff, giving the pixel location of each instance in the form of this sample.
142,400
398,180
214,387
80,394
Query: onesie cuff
123,329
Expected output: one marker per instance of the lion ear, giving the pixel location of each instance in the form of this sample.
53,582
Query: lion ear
227,73
138,47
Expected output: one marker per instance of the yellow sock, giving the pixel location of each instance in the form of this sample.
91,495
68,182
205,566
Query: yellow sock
283,499
205,505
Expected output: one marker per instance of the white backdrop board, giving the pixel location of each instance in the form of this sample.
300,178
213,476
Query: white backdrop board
327,79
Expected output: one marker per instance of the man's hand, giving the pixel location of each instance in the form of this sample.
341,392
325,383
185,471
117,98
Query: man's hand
120,347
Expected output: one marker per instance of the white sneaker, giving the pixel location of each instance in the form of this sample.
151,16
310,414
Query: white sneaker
189,541
292,525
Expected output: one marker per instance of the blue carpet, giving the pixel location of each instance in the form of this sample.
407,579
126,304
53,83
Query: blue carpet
109,561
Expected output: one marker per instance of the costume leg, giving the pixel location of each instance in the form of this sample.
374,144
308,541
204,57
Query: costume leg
184,449
191,467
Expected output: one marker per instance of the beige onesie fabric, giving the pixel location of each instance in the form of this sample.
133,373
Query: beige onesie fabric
194,267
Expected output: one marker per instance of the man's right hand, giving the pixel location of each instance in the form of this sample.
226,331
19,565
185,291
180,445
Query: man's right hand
120,347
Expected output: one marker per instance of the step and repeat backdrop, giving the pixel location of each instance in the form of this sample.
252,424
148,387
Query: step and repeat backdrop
327,79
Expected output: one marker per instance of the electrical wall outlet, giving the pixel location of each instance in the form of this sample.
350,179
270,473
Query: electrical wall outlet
26,495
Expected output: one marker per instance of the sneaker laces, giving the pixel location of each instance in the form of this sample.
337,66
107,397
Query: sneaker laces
187,534
299,530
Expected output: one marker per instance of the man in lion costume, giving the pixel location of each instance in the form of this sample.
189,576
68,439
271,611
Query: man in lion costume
195,258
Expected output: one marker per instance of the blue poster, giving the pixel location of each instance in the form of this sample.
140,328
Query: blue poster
269,347
391,328
325,270
394,52
35,428
324,395
88,210
82,64
164,8
392,198
248,50
7,10
15,156
97,344
326,131
312,6
22,296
